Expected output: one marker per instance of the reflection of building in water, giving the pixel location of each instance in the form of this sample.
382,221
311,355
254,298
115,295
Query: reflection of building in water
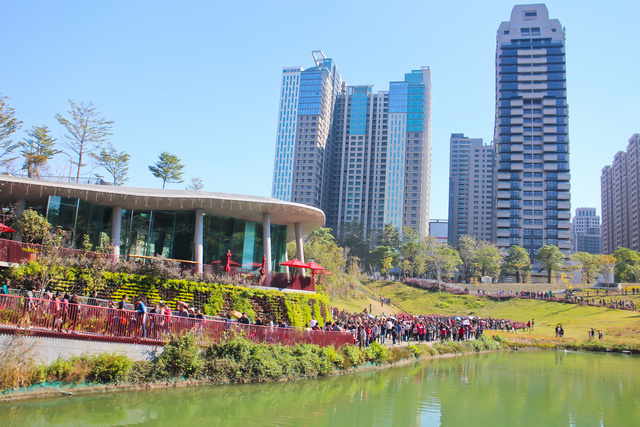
193,226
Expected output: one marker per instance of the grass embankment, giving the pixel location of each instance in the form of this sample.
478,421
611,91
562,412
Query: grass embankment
620,327
235,360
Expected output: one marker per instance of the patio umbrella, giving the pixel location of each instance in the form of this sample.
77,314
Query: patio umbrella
314,266
294,263
263,265
5,229
227,266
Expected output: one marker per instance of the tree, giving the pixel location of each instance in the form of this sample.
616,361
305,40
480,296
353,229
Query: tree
412,247
8,125
444,261
390,236
588,264
551,259
168,168
487,260
387,265
87,130
467,247
32,226
379,254
352,238
517,262
627,261
605,266
196,184
116,163
37,150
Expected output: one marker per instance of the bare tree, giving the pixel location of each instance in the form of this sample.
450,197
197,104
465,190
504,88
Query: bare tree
87,130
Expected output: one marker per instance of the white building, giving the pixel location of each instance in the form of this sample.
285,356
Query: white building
585,231
471,166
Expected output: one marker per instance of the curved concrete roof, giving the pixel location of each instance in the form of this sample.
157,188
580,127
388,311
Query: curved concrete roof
249,208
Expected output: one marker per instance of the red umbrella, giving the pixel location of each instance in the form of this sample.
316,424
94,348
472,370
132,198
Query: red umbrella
227,266
5,229
263,265
315,267
294,263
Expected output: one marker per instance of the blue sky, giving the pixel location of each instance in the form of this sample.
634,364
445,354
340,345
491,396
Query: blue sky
201,79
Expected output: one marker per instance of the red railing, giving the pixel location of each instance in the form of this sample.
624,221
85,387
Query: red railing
84,322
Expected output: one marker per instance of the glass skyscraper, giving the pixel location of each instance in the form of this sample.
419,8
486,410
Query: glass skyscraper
533,202
361,157
307,100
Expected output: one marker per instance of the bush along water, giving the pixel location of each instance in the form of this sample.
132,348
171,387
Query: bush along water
236,360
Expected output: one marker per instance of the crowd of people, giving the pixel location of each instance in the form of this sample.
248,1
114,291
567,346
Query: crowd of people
392,330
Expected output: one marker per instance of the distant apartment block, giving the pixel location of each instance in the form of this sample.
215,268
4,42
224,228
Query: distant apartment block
620,198
533,198
585,231
439,230
359,156
471,195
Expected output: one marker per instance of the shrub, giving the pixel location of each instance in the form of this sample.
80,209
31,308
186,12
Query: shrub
181,357
399,353
379,353
352,356
415,351
109,367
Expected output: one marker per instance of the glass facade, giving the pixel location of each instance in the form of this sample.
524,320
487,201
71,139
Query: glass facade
243,239
168,234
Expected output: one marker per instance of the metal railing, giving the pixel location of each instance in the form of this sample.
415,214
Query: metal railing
42,317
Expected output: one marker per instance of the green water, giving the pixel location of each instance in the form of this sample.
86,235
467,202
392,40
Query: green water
497,389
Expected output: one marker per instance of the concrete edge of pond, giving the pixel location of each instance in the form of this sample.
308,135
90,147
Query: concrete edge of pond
69,390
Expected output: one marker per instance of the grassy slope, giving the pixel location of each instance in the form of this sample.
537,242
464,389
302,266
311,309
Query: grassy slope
618,326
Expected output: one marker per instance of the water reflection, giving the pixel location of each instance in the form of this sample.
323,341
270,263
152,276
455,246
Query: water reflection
526,388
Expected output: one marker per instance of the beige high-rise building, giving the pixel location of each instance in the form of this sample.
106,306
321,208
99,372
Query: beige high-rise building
531,134
471,165
620,198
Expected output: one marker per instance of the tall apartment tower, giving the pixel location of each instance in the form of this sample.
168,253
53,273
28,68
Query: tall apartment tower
533,201
585,231
620,199
471,166
307,99
380,155
359,156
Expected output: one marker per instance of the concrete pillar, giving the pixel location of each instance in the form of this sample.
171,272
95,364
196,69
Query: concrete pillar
266,238
116,228
197,240
299,245
20,206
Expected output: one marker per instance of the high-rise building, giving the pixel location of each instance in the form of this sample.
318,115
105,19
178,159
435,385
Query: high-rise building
381,155
533,198
371,164
620,199
471,166
585,231
307,99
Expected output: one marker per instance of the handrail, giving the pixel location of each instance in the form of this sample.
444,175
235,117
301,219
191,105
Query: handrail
84,322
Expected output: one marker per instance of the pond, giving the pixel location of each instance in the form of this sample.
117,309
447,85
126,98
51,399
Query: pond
496,389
